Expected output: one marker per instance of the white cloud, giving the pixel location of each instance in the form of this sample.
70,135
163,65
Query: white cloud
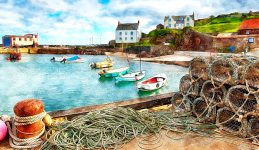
75,22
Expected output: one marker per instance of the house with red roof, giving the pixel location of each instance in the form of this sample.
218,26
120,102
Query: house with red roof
249,27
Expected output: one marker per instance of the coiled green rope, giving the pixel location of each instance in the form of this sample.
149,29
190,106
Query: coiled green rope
111,128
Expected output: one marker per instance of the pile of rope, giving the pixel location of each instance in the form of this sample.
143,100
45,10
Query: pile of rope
111,128
24,143
224,91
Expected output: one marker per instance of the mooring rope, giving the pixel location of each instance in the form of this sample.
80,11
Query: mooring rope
19,143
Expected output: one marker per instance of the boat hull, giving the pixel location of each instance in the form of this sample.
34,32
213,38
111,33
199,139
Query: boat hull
131,77
114,73
152,83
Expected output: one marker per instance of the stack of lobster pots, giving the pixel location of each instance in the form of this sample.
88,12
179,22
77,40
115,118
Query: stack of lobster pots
223,90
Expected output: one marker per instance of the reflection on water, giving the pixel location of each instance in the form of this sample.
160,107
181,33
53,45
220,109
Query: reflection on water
63,86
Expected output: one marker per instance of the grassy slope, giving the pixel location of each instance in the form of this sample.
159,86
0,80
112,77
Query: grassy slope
220,24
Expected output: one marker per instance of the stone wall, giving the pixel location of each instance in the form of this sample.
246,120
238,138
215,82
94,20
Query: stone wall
238,41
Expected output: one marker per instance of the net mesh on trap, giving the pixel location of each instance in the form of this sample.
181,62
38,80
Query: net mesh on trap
223,71
213,94
251,75
240,100
199,68
203,111
179,103
190,86
229,121
253,128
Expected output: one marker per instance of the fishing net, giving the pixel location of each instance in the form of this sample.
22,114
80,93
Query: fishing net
213,93
241,99
251,75
199,68
203,111
253,128
223,71
111,128
230,122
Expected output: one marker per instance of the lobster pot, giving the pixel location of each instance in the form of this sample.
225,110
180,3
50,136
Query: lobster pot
213,94
190,99
240,100
185,84
251,75
203,111
253,128
199,68
223,71
227,120
26,108
178,102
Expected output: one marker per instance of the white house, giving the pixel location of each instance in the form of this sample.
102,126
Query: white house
179,22
127,33
16,40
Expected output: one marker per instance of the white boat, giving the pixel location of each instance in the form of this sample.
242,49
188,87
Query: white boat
134,76
152,83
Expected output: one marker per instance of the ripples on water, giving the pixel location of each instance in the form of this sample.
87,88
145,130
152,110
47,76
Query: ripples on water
64,86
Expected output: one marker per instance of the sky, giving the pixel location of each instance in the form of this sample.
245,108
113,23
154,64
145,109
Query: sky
81,22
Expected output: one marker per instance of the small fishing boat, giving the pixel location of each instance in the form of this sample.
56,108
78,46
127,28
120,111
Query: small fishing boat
104,64
14,56
152,83
134,76
64,59
114,72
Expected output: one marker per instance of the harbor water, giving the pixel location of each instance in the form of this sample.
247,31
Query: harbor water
64,86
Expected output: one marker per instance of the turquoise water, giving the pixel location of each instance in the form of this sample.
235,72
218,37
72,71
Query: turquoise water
65,86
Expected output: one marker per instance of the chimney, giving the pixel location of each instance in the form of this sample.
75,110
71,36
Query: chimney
119,22
138,21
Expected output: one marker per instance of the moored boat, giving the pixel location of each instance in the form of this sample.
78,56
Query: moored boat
152,83
64,59
134,76
114,72
104,64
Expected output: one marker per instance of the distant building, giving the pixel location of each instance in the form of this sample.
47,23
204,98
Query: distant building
15,40
250,26
160,26
179,22
127,33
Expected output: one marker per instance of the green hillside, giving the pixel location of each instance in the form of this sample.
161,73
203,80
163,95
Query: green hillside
223,23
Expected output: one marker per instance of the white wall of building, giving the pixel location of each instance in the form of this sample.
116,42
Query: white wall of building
127,36
171,23
24,40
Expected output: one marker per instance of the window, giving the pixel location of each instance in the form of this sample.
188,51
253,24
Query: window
14,39
125,38
169,20
131,33
36,36
126,33
131,38
169,25
120,33
188,24
120,38
188,19
247,32
20,39
175,25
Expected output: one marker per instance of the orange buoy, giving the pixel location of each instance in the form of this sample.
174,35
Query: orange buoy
28,119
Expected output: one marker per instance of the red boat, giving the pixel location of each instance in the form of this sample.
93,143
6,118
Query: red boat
14,56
